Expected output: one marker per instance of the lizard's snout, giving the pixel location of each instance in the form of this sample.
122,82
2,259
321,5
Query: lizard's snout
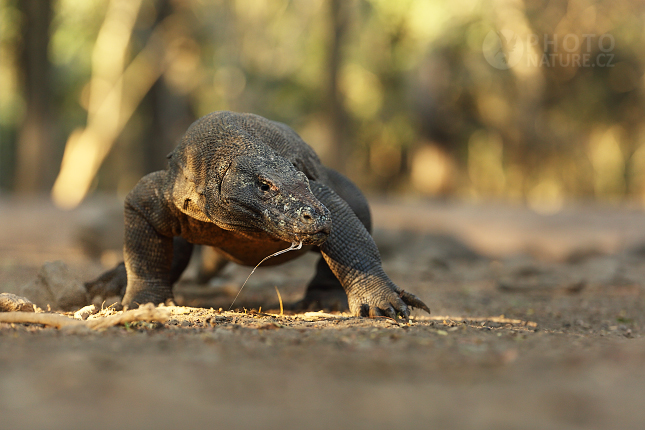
314,225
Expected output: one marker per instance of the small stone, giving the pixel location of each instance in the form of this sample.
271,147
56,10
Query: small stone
85,312
38,292
12,303
56,287
68,291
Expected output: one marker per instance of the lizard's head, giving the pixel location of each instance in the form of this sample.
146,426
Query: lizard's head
269,194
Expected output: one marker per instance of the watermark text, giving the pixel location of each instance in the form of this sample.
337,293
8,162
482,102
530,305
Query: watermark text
504,49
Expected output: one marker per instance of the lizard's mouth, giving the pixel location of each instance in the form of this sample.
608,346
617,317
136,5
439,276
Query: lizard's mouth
316,238
306,223
308,236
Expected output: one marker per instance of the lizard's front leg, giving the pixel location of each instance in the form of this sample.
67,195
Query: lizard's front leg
353,256
148,252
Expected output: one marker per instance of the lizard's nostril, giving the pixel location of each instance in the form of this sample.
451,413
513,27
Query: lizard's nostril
306,217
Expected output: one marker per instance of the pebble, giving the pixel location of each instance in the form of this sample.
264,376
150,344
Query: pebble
85,312
12,303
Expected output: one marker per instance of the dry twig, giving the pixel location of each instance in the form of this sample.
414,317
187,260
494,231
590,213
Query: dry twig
144,313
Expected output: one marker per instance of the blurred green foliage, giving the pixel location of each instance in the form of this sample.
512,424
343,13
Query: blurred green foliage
421,109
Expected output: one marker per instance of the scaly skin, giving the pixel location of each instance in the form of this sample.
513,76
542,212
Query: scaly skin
248,187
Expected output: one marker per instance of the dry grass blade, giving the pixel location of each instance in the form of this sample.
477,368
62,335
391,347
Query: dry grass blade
280,300
323,315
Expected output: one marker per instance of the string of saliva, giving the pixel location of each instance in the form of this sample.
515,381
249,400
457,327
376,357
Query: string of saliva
294,247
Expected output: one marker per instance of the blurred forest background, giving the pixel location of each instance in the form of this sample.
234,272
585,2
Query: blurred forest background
397,94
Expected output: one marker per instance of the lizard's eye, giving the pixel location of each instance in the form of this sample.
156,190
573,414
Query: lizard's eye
265,185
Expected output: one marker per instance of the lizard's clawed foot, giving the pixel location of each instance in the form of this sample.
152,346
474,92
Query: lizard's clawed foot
391,304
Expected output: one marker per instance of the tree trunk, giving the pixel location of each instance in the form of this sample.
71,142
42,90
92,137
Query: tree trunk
338,121
171,113
171,116
34,172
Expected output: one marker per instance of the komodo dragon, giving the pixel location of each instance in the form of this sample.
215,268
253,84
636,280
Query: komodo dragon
249,187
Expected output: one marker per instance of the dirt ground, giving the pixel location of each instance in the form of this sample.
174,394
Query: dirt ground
537,323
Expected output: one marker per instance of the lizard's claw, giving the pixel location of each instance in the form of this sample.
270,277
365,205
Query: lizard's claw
392,304
413,301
